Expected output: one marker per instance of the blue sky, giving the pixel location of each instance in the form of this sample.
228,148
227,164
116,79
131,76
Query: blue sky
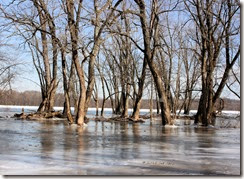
28,78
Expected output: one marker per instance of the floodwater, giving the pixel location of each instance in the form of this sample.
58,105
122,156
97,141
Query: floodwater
117,148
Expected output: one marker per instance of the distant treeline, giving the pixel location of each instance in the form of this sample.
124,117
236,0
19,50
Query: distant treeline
33,98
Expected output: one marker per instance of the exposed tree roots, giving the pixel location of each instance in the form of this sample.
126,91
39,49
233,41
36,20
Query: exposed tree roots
42,115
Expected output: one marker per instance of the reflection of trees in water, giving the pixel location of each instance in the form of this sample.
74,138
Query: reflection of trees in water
122,144
136,132
46,138
95,133
68,137
204,137
204,143
189,145
47,142
188,140
81,141
74,145
165,139
136,140
116,127
120,139
127,141
69,153
104,140
151,127
188,131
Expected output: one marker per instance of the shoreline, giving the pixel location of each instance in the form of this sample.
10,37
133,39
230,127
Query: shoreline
106,109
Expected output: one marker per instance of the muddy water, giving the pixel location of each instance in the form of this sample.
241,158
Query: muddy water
104,148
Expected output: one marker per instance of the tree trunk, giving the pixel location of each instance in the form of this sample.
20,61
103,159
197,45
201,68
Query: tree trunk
96,99
82,98
50,82
103,101
137,106
165,111
110,96
91,79
73,28
44,106
157,104
126,101
151,99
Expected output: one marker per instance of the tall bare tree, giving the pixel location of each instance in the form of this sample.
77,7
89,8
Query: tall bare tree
213,20
149,37
73,21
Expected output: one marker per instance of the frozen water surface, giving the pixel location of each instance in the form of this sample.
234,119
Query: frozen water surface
104,148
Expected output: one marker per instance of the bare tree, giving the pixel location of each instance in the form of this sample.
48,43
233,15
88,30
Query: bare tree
86,92
27,26
7,72
213,20
149,36
191,70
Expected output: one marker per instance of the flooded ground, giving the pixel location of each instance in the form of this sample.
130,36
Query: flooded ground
115,148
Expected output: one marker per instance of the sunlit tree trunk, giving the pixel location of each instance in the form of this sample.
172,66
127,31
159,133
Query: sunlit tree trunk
165,111
48,95
137,105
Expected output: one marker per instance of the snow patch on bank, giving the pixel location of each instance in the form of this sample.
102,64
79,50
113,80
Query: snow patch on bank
108,109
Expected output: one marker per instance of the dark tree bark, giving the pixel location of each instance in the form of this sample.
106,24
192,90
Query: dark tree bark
213,23
51,83
148,52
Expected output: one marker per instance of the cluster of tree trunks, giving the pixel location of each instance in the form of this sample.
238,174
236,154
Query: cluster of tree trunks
113,61
213,34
